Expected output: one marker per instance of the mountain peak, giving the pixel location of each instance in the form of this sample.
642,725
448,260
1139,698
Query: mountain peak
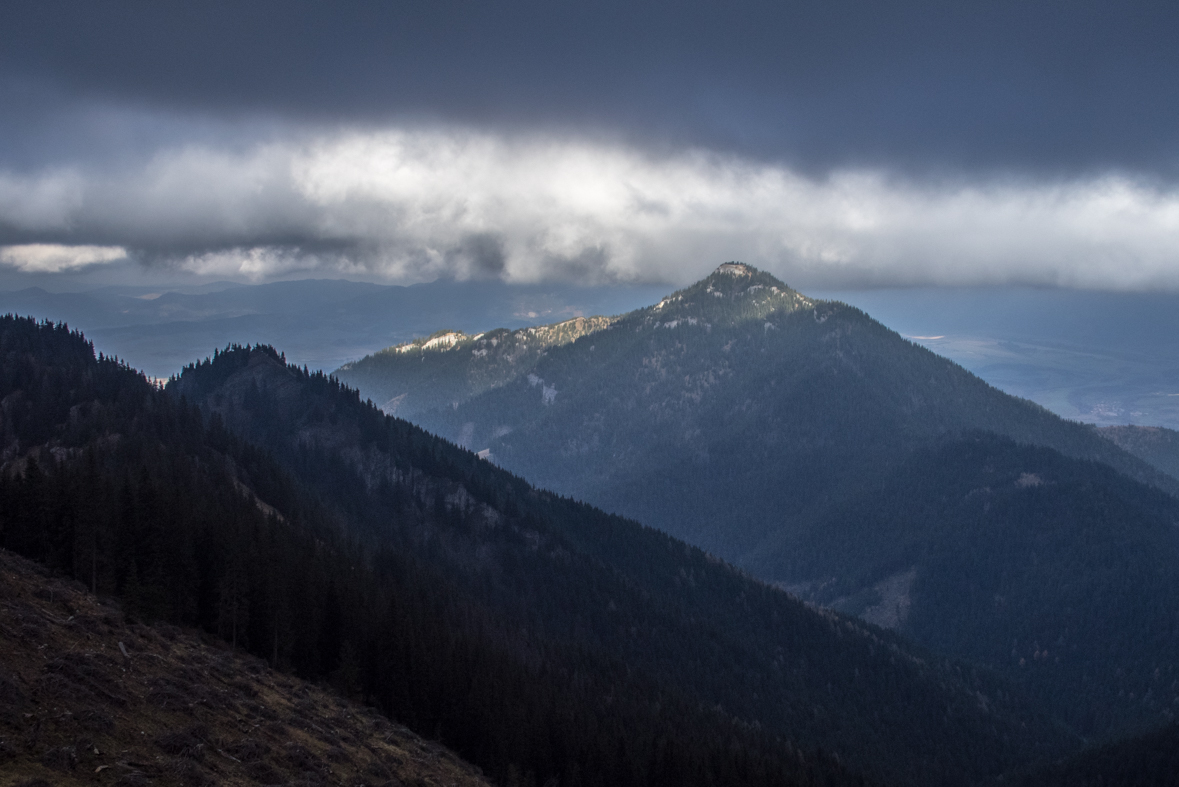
735,277
734,269
734,292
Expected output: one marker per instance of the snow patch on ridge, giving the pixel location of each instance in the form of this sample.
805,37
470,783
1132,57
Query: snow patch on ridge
548,393
446,340
667,302
1026,480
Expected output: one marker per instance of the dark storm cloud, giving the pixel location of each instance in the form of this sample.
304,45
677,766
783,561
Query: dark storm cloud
1054,88
483,253
834,143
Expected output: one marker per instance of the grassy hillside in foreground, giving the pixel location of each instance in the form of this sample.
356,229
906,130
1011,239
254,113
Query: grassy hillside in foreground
87,695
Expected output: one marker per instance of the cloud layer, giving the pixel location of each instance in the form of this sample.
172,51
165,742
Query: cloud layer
915,86
412,204
55,258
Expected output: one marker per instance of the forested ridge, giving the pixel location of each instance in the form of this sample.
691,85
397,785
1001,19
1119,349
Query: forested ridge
538,637
1156,445
1149,760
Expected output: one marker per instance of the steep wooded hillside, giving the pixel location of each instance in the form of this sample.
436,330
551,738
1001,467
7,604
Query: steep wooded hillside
1149,760
135,493
1155,445
604,584
1060,573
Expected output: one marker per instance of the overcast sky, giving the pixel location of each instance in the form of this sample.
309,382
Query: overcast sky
837,144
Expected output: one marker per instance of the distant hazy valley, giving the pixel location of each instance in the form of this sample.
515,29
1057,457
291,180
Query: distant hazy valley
1098,357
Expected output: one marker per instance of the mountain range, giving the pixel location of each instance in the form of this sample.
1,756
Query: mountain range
822,452
536,636
1031,559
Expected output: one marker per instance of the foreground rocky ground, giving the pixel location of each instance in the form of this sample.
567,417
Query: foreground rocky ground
87,697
